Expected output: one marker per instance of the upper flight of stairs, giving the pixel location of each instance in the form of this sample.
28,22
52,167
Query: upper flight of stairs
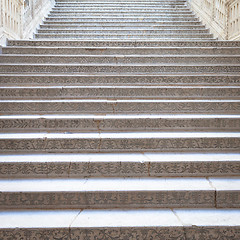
120,120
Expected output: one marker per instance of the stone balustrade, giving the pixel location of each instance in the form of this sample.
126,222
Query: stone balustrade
221,16
20,18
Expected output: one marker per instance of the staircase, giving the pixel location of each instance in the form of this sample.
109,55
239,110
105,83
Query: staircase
120,120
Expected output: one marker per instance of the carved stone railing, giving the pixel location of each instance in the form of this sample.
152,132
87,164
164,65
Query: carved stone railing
221,16
20,18
11,18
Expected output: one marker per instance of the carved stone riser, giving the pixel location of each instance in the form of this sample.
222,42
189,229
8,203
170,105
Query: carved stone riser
99,43
73,169
125,36
113,68
119,199
97,145
121,26
118,60
117,23
112,125
176,233
120,93
114,107
60,14
123,51
118,80
122,19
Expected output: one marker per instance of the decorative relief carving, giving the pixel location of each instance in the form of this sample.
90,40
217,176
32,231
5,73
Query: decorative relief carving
156,233
213,233
130,43
119,93
79,80
120,107
112,68
119,169
136,124
228,199
103,199
122,145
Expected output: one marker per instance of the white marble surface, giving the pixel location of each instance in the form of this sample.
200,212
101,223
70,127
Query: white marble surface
119,218
120,135
121,157
107,184
209,217
124,218
37,219
229,184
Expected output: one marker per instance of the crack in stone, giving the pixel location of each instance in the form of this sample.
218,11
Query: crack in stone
74,219
215,191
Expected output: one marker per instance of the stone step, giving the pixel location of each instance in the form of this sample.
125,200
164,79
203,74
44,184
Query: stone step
136,3
56,166
121,224
123,31
179,142
109,79
120,193
123,68
115,93
12,107
127,8
124,36
125,43
117,23
120,60
122,19
119,14
119,27
119,123
120,2
158,51
119,9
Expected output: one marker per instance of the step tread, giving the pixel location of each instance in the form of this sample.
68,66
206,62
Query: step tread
118,135
120,184
118,218
119,157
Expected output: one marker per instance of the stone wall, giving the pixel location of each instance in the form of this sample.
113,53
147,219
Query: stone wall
221,16
20,18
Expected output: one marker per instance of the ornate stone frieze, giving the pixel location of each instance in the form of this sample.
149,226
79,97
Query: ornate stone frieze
120,145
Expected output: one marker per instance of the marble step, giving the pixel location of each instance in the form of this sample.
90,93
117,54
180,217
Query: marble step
121,60
125,36
131,193
116,93
120,123
111,79
184,142
171,224
126,8
67,2
123,31
121,19
119,14
13,107
102,165
126,43
122,50
135,3
122,10
123,68
117,23
119,27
